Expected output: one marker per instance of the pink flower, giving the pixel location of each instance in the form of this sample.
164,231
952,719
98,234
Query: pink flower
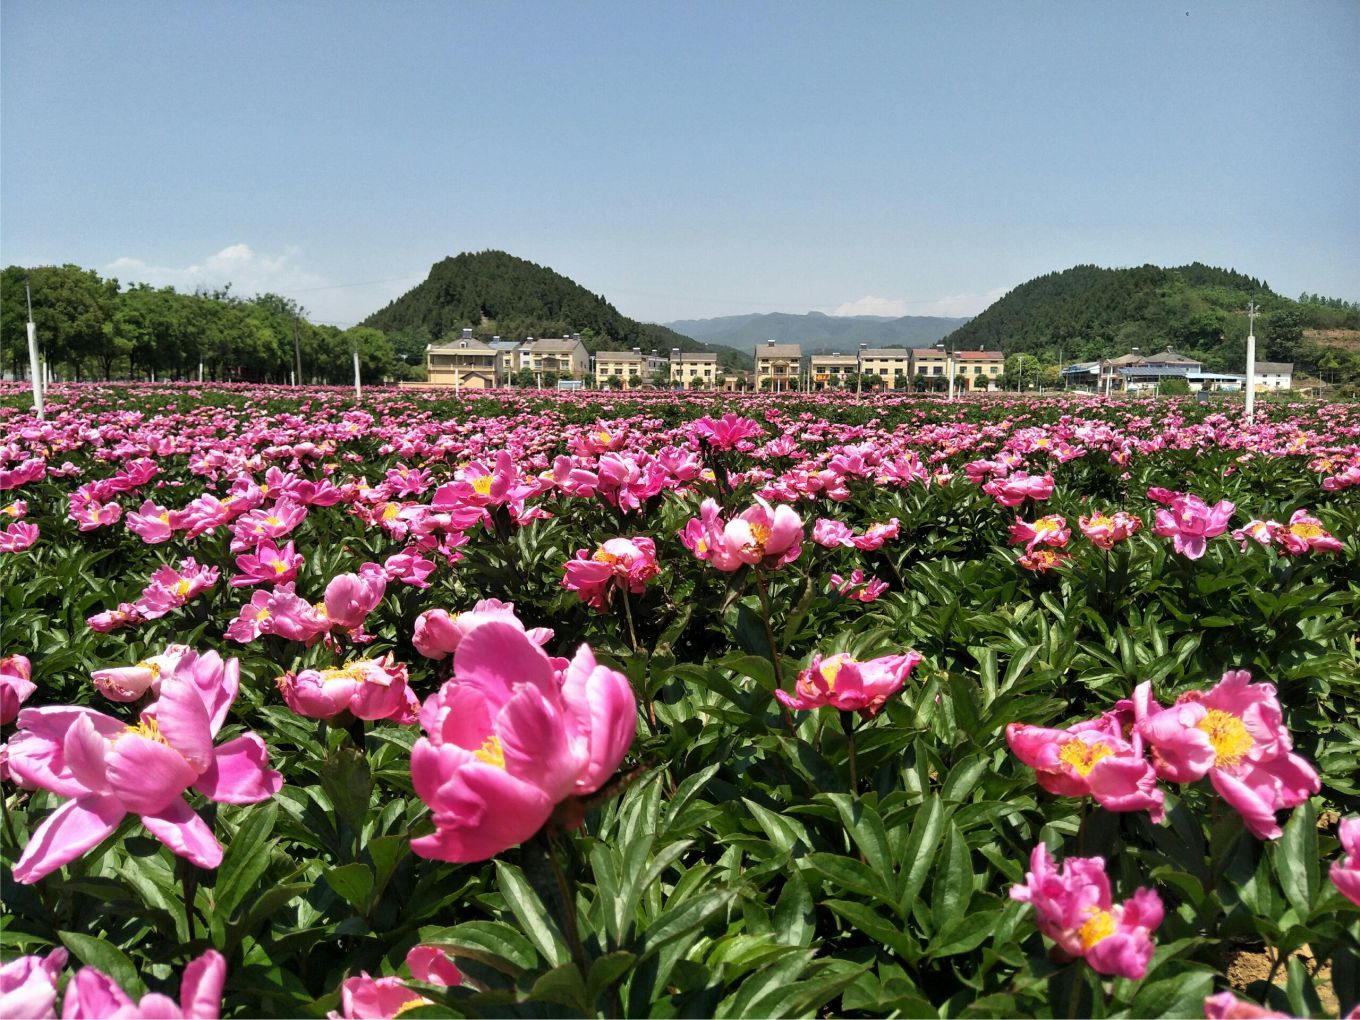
351,597
1051,531
126,615
726,432
15,510
373,689
875,535
830,534
760,536
1346,871
1043,560
1016,488
856,587
1262,533
93,995
28,985
90,514
367,998
151,523
1074,909
282,612
128,683
409,567
438,633
1227,1006
1305,533
512,736
618,563
16,686
18,537
279,520
843,682
1107,530
268,564
171,588
110,769
1190,522
1090,759
1234,734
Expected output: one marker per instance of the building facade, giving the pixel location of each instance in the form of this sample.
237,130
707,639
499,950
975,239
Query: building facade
465,363
778,366
979,369
1274,375
892,365
694,370
832,371
564,355
928,363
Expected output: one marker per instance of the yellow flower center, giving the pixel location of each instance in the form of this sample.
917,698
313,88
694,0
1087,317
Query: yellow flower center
280,567
148,729
1228,735
273,521
411,1004
12,509
602,437
390,511
601,556
165,517
1100,521
262,614
760,533
354,671
153,667
1306,531
482,485
1083,756
1046,526
1100,926
491,752
182,589
830,670
320,608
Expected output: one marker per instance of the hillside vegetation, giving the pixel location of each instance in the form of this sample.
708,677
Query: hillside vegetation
495,293
1088,312
819,332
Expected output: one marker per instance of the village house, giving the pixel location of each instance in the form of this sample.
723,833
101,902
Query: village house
778,366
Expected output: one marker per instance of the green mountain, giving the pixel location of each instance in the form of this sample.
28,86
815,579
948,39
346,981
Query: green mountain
1088,312
498,294
818,332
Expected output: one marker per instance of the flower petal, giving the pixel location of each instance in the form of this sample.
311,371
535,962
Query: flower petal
66,834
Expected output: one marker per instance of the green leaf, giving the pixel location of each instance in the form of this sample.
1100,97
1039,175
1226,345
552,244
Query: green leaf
493,943
563,985
1179,996
246,858
348,782
107,957
848,873
926,832
354,882
1296,859
795,919
680,920
953,886
532,913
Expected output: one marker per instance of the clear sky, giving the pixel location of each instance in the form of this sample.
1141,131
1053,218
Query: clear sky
684,159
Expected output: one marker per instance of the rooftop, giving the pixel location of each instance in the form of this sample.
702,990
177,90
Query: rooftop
980,355
774,350
1275,367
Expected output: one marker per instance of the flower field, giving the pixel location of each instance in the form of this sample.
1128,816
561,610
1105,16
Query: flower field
677,705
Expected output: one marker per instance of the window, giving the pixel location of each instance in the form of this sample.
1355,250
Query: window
992,370
937,370
882,371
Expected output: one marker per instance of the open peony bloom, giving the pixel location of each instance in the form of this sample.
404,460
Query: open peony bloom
1043,559
510,737
726,432
1090,759
1015,489
268,564
856,587
1190,523
28,985
438,633
1107,530
620,563
93,995
128,683
1234,734
1346,871
371,689
368,998
351,597
110,769
759,536
16,687
1305,533
18,537
842,682
1074,909
1227,1006
1047,531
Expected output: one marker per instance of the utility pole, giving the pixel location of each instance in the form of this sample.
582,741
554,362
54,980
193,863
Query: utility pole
859,370
34,369
297,353
358,390
1252,312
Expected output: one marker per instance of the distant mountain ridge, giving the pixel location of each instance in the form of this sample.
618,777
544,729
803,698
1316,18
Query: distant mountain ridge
817,331
495,293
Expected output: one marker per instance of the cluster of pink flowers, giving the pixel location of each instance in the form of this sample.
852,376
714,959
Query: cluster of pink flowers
1014,489
1105,531
169,589
857,587
110,769
28,988
371,689
348,600
832,534
369,998
627,563
1303,534
1074,908
18,536
1233,733
850,685
514,739
761,536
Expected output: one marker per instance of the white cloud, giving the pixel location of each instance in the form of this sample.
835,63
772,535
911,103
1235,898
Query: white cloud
249,272
869,305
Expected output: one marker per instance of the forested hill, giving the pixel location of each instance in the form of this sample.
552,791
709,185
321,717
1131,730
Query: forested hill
1090,313
818,332
495,293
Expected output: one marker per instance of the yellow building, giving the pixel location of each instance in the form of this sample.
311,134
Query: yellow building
778,366
694,370
465,363
832,371
979,368
888,363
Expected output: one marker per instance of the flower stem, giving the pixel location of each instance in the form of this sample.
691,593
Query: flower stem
774,647
848,724
568,895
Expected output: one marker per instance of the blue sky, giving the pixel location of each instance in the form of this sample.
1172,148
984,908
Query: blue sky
683,159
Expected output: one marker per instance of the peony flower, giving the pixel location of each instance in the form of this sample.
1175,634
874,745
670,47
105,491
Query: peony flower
1305,533
351,597
1227,1006
93,995
1234,734
1043,560
16,686
268,564
253,526
438,633
409,567
18,537
1016,488
1190,522
847,684
171,588
1107,530
512,736
1090,759
373,689
1051,531
367,998
856,587
1345,872
152,523
110,769
760,536
831,534
28,985
726,432
875,535
1074,909
128,683
618,563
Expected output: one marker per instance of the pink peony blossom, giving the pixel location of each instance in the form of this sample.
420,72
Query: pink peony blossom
351,597
172,587
832,534
1190,522
618,563
1016,488
268,564
409,567
726,432
1346,871
373,689
1042,560
1107,530
18,537
128,683
759,536
1227,1006
845,683
152,523
16,686
110,769
1234,734
1050,531
511,737
438,633
1305,533
856,587
367,998
875,535
93,995
1074,909
28,985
